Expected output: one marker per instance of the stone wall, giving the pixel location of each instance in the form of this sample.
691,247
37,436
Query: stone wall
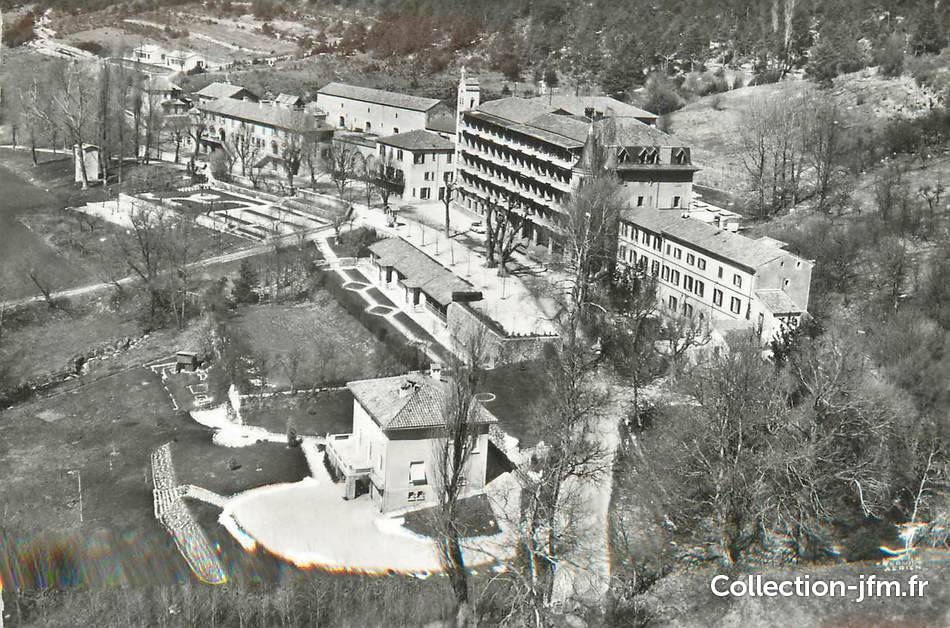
500,347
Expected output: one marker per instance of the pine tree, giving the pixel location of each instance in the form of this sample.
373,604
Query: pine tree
245,286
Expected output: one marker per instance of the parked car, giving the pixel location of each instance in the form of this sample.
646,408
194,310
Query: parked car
477,227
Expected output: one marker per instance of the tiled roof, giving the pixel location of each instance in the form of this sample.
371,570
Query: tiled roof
778,302
269,115
220,90
442,124
537,119
736,248
420,270
422,404
417,140
578,105
378,96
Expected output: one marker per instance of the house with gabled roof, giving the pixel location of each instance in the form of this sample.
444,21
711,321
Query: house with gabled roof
398,423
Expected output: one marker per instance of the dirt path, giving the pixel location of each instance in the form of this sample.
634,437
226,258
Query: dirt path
291,239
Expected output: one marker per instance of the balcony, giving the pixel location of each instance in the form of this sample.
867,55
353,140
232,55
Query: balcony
347,456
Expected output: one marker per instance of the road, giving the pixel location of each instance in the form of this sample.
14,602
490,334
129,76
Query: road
259,249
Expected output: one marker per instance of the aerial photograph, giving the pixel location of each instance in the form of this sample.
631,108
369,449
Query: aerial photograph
461,313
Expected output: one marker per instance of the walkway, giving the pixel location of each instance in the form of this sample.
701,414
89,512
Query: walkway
172,512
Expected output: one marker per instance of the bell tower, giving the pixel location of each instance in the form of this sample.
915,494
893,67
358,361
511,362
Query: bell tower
469,96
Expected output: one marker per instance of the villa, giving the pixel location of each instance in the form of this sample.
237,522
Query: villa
391,452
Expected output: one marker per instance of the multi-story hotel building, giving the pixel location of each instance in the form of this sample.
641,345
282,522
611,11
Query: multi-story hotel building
707,271
531,152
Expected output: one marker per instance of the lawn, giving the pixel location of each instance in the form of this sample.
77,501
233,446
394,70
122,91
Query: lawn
475,518
327,412
313,342
518,388
228,471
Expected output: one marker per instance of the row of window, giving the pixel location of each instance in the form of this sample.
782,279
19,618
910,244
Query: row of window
670,275
524,162
417,158
652,240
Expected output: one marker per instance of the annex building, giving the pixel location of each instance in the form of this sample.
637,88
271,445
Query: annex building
704,269
383,113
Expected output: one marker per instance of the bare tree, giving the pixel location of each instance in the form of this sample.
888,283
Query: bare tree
292,156
823,143
73,97
447,197
343,165
244,145
464,422
368,174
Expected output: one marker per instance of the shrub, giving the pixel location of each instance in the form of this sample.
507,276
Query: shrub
661,96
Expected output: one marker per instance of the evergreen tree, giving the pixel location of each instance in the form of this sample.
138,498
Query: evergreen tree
244,290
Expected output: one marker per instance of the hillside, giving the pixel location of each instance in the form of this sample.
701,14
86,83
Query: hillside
709,124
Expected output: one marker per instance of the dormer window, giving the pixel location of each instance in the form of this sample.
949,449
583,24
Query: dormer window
680,156
648,155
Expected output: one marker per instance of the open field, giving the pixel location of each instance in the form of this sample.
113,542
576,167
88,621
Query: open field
328,344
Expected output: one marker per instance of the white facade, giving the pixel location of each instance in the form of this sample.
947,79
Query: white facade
764,286
424,173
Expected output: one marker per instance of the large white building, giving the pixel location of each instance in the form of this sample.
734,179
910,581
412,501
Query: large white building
383,113
531,152
707,271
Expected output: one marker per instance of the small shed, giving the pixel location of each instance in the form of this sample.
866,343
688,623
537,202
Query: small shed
186,361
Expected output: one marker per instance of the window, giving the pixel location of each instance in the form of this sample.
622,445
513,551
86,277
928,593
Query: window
424,193
687,310
399,156
656,243
448,158
677,253
701,263
416,496
720,272
735,305
675,277
382,150
448,176
395,130
737,280
417,473
428,176
342,121
666,272
369,127
698,288
717,296
690,259
419,158
639,201
655,268
667,249
673,303
688,283
785,283
676,201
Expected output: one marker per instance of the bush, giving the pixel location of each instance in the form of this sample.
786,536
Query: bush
890,57
661,97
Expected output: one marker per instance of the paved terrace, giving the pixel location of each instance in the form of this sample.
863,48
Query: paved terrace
511,301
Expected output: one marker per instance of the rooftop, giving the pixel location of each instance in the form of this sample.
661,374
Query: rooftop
556,125
378,96
267,115
778,302
417,140
578,105
410,401
220,90
744,251
420,270
288,99
160,84
442,124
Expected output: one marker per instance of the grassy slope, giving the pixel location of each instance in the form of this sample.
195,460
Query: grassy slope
862,96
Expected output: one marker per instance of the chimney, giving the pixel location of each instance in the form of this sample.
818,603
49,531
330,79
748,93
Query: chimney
406,388
435,370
